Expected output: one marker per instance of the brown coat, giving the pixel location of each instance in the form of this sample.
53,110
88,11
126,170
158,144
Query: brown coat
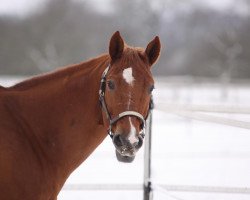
51,123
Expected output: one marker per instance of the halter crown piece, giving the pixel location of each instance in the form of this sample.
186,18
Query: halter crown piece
122,114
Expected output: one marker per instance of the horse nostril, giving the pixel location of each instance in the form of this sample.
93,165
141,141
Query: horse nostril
117,140
140,142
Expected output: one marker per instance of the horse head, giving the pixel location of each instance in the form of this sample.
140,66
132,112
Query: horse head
128,84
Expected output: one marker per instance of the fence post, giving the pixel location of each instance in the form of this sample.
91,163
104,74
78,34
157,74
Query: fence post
147,189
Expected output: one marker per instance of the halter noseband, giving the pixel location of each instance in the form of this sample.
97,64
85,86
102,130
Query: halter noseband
122,114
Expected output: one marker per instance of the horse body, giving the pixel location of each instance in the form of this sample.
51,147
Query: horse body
48,129
51,123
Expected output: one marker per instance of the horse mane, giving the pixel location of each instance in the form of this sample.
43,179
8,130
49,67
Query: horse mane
2,88
135,55
130,53
60,73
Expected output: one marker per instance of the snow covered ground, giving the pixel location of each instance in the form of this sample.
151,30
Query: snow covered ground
185,152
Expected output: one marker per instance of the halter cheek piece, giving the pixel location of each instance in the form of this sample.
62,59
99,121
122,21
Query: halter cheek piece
123,114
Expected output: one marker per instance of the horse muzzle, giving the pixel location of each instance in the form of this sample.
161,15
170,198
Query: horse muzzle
125,149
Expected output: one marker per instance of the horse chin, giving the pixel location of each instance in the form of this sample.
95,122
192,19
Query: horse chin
124,159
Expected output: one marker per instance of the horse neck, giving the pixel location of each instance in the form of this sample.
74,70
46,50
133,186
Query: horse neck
63,117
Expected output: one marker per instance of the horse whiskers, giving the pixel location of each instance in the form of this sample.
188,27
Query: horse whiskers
125,149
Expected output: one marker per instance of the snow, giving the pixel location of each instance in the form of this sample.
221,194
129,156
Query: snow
185,152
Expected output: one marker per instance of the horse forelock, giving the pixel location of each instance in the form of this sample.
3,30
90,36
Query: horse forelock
133,58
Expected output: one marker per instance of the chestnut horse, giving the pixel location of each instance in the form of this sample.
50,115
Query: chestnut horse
51,123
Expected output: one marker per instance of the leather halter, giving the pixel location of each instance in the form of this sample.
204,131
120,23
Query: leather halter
122,114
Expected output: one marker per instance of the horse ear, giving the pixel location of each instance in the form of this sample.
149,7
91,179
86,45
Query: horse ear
153,50
116,46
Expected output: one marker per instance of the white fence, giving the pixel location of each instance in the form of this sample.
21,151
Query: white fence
167,188
199,112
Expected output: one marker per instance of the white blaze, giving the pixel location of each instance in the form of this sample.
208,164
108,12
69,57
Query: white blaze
128,76
132,135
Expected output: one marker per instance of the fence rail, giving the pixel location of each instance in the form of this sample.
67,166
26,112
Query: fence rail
213,108
199,112
168,188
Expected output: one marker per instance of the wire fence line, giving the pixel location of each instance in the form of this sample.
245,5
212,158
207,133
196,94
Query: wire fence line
161,187
199,112
212,108
166,193
103,187
206,189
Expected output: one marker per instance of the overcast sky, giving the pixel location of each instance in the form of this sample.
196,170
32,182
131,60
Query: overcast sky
18,6
22,7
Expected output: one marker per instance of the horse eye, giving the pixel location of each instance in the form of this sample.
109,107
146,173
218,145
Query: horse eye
111,85
151,88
